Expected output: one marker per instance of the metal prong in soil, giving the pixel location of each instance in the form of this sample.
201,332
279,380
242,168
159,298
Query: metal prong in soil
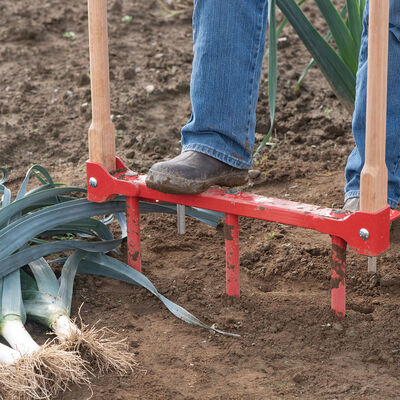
180,211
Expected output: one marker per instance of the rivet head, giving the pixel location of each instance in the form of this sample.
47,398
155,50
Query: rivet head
364,234
93,182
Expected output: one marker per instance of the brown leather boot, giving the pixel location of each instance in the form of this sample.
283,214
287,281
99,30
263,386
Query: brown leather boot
192,172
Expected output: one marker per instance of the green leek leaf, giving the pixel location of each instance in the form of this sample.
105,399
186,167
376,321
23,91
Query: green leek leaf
34,199
27,281
45,279
67,278
11,300
35,168
17,260
354,22
272,71
341,34
41,306
16,234
338,74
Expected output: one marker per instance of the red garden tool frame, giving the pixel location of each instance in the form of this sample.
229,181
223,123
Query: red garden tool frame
366,231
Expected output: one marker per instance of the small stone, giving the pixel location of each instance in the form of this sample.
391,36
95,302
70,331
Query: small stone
134,344
121,125
376,302
84,80
273,329
282,42
129,73
8,127
150,88
130,154
254,173
364,390
298,378
374,280
351,332
390,280
117,7
337,327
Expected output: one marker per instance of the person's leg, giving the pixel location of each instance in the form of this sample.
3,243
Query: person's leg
357,157
218,140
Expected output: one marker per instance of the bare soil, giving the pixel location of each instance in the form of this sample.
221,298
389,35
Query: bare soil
291,346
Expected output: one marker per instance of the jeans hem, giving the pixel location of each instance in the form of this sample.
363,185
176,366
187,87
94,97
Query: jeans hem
356,193
210,151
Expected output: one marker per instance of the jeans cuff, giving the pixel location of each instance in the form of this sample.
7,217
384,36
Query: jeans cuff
351,194
356,193
201,148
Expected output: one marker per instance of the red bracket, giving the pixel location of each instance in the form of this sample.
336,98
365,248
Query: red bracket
366,233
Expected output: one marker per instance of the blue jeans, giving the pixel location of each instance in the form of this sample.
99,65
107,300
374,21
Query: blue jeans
229,45
356,159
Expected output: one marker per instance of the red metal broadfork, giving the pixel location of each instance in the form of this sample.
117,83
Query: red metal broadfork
374,176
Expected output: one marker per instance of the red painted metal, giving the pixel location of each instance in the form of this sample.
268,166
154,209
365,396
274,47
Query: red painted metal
338,278
133,227
231,232
325,220
343,226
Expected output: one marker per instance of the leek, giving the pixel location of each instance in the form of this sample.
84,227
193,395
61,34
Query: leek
53,367
48,301
35,215
40,371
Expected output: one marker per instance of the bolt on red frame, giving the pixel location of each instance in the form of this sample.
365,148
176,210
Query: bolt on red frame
366,231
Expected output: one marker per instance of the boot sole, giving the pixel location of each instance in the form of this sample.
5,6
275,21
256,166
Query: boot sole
177,185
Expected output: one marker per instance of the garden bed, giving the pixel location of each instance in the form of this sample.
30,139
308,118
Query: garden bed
291,345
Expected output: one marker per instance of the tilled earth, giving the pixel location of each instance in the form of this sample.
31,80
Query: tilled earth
291,345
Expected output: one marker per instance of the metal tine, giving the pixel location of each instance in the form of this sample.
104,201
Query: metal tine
181,213
372,265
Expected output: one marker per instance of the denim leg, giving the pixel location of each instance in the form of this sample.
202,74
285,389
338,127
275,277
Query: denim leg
356,159
229,45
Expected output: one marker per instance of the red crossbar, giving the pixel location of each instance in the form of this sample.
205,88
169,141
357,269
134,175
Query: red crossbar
344,227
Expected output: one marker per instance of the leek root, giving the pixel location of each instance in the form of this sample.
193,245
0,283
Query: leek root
100,347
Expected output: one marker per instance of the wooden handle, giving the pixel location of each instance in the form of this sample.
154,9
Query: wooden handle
374,176
101,131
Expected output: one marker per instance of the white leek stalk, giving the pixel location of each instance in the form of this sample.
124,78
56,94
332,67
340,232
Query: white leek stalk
64,328
13,330
8,356
47,369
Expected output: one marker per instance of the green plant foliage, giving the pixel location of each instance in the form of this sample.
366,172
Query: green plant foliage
336,55
49,219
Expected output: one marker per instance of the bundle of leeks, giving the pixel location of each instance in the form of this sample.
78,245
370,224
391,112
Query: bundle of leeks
50,211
